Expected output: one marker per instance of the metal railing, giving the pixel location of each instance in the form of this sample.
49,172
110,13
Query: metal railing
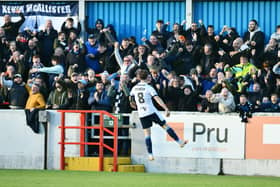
82,142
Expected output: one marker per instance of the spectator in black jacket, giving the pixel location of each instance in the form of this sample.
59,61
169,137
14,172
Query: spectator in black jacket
78,97
68,26
46,38
254,38
208,58
161,33
18,93
75,59
189,99
206,105
11,28
99,25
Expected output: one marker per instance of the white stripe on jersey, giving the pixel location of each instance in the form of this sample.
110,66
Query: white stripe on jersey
143,94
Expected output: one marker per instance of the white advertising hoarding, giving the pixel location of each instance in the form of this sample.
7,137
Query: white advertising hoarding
209,137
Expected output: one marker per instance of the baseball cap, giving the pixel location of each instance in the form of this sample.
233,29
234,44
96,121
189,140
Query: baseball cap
84,82
92,36
74,74
17,75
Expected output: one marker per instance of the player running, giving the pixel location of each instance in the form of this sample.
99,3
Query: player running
141,98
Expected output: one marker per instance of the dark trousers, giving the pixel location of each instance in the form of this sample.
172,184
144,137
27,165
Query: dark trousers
32,119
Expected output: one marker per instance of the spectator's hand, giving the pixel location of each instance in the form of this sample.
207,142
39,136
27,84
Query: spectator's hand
164,84
55,106
253,43
180,50
164,72
183,22
116,45
199,107
207,109
244,83
158,86
162,55
3,74
225,41
253,52
231,53
194,37
224,28
221,52
113,82
56,78
226,66
70,94
217,38
167,23
95,95
75,66
196,79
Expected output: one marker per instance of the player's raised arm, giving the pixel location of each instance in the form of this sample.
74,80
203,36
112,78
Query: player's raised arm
162,104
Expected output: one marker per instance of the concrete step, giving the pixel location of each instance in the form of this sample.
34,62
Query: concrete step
127,168
92,163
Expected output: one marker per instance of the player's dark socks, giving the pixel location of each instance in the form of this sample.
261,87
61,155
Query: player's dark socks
171,133
148,141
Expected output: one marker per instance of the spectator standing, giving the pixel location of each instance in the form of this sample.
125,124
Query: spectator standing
68,26
99,25
46,38
11,28
92,54
34,103
161,33
75,60
254,38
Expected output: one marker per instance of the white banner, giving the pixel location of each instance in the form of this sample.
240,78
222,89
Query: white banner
209,137
36,13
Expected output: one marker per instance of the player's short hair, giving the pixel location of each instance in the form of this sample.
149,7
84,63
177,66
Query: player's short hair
142,74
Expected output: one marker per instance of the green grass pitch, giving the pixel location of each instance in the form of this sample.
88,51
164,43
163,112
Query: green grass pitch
40,178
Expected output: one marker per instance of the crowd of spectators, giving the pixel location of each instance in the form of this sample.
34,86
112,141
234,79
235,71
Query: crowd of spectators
192,69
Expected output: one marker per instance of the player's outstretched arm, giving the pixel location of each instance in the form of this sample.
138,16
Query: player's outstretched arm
163,105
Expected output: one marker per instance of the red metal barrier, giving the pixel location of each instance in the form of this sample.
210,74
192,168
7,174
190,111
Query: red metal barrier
82,142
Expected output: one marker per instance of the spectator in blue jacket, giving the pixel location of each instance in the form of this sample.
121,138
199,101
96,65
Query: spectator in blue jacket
92,53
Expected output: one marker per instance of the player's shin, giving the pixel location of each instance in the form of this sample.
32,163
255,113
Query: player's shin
172,133
148,142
